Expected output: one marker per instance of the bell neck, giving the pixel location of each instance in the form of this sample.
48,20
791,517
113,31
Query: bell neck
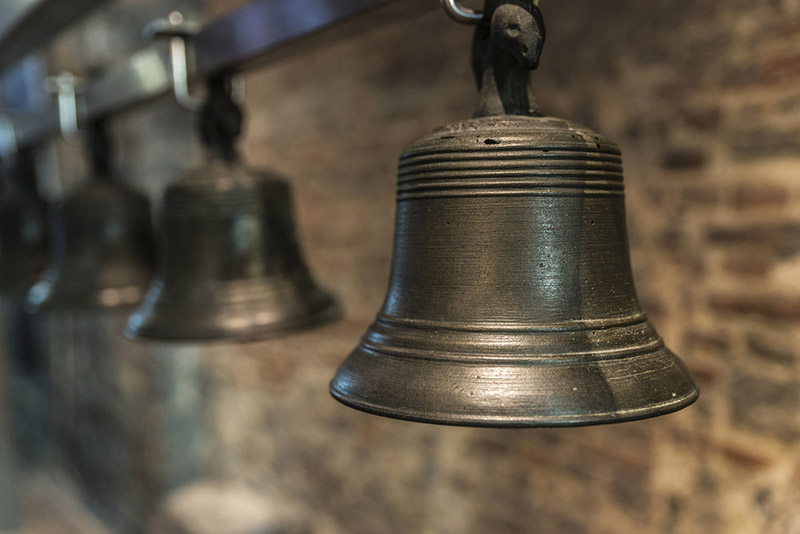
506,50
100,152
507,92
213,161
221,121
215,173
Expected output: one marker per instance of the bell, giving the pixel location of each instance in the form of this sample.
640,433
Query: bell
24,235
511,301
103,246
229,264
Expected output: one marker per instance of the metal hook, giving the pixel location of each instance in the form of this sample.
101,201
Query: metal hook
465,15
180,74
64,86
179,31
180,78
8,139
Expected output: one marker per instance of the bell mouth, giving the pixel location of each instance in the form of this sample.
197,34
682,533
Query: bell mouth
53,295
141,331
511,389
281,310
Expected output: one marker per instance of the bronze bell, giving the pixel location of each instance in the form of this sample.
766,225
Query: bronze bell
24,236
511,300
229,264
103,246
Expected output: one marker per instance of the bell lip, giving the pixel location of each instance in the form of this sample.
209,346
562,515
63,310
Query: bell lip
535,395
489,421
49,306
328,314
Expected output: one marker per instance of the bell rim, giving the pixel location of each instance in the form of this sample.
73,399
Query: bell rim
542,391
53,305
490,421
77,308
328,314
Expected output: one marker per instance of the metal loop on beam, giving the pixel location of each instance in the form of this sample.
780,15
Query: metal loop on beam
465,15
461,14
64,86
8,139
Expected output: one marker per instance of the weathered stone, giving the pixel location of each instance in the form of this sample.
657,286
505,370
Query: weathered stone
682,159
672,239
748,263
781,69
214,508
700,196
765,305
789,104
704,376
706,119
766,406
782,238
775,348
52,506
744,458
751,196
760,142
713,342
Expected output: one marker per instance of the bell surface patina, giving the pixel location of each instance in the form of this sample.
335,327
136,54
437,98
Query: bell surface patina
230,266
511,300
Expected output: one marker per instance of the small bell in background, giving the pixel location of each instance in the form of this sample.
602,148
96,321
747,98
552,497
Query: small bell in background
511,300
24,248
24,235
103,245
230,266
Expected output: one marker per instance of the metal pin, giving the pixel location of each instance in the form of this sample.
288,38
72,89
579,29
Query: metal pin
64,86
8,138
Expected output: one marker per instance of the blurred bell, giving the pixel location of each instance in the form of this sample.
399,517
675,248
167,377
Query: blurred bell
103,245
229,264
511,300
24,236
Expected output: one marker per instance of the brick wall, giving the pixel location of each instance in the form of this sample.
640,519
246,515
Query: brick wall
703,98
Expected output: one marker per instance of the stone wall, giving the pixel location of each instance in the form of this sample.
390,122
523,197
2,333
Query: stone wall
702,96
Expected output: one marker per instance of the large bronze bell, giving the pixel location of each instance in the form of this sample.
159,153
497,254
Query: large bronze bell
229,264
103,246
24,236
511,300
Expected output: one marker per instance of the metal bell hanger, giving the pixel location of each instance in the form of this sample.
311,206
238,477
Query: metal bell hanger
8,140
179,31
103,245
230,265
